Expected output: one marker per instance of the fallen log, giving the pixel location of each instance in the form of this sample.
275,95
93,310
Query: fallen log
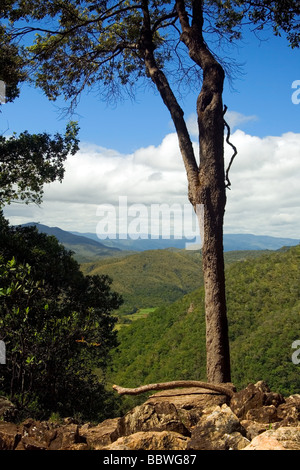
176,384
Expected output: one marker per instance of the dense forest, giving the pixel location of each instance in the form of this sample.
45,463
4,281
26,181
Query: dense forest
263,308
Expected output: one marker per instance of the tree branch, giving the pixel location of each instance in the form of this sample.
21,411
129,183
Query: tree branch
182,15
161,82
160,21
176,384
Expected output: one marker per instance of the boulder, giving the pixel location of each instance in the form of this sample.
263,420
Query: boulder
8,411
283,438
189,419
161,416
253,429
254,397
218,429
189,403
151,440
36,435
263,414
97,437
9,436
264,442
289,411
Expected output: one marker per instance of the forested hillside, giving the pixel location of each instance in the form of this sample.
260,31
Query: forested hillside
263,309
156,277
151,278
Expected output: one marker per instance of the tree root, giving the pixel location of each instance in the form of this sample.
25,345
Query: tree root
176,384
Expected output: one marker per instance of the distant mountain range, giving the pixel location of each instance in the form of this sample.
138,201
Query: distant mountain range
232,242
256,242
87,246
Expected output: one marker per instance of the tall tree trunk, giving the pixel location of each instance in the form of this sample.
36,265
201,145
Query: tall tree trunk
212,194
211,191
206,181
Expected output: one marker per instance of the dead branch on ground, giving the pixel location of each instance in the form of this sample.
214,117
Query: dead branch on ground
176,384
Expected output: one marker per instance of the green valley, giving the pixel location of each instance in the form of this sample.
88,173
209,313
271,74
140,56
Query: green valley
264,312
151,278
155,277
163,311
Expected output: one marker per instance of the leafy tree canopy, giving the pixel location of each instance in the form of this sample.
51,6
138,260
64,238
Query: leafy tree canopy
79,44
28,161
10,71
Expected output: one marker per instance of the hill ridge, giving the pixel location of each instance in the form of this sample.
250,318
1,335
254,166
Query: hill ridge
84,248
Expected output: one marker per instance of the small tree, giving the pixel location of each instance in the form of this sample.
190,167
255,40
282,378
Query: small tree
111,43
28,161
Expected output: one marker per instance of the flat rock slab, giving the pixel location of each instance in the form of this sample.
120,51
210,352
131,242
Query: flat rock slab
189,398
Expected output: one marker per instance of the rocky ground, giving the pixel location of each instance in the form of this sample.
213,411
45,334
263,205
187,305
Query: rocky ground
183,419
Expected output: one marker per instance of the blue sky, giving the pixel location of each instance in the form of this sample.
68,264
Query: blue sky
260,110
262,89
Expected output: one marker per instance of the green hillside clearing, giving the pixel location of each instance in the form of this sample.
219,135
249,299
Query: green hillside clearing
264,320
156,277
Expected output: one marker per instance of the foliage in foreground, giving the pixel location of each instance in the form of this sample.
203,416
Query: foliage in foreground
57,327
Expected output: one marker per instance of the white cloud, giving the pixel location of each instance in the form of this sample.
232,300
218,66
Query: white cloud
265,181
264,196
235,119
97,176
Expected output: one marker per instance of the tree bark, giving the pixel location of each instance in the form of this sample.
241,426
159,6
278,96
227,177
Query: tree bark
206,182
212,194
